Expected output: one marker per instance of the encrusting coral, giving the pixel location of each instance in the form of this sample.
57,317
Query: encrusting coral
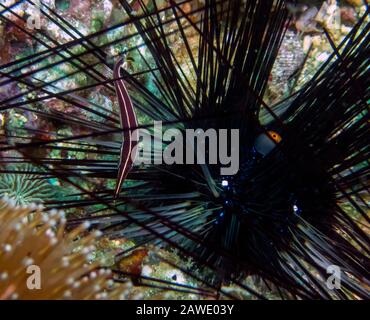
32,240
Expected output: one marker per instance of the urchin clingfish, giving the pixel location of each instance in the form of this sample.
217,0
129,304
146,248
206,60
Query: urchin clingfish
129,126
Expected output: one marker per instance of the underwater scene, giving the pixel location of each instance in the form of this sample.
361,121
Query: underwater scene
184,150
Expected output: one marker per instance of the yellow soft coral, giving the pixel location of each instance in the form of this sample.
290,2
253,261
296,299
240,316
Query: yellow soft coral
32,240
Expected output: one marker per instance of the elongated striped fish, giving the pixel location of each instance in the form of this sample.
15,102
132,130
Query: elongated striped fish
129,125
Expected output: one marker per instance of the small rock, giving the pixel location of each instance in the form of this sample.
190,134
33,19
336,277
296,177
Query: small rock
355,3
307,43
305,22
322,57
348,15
